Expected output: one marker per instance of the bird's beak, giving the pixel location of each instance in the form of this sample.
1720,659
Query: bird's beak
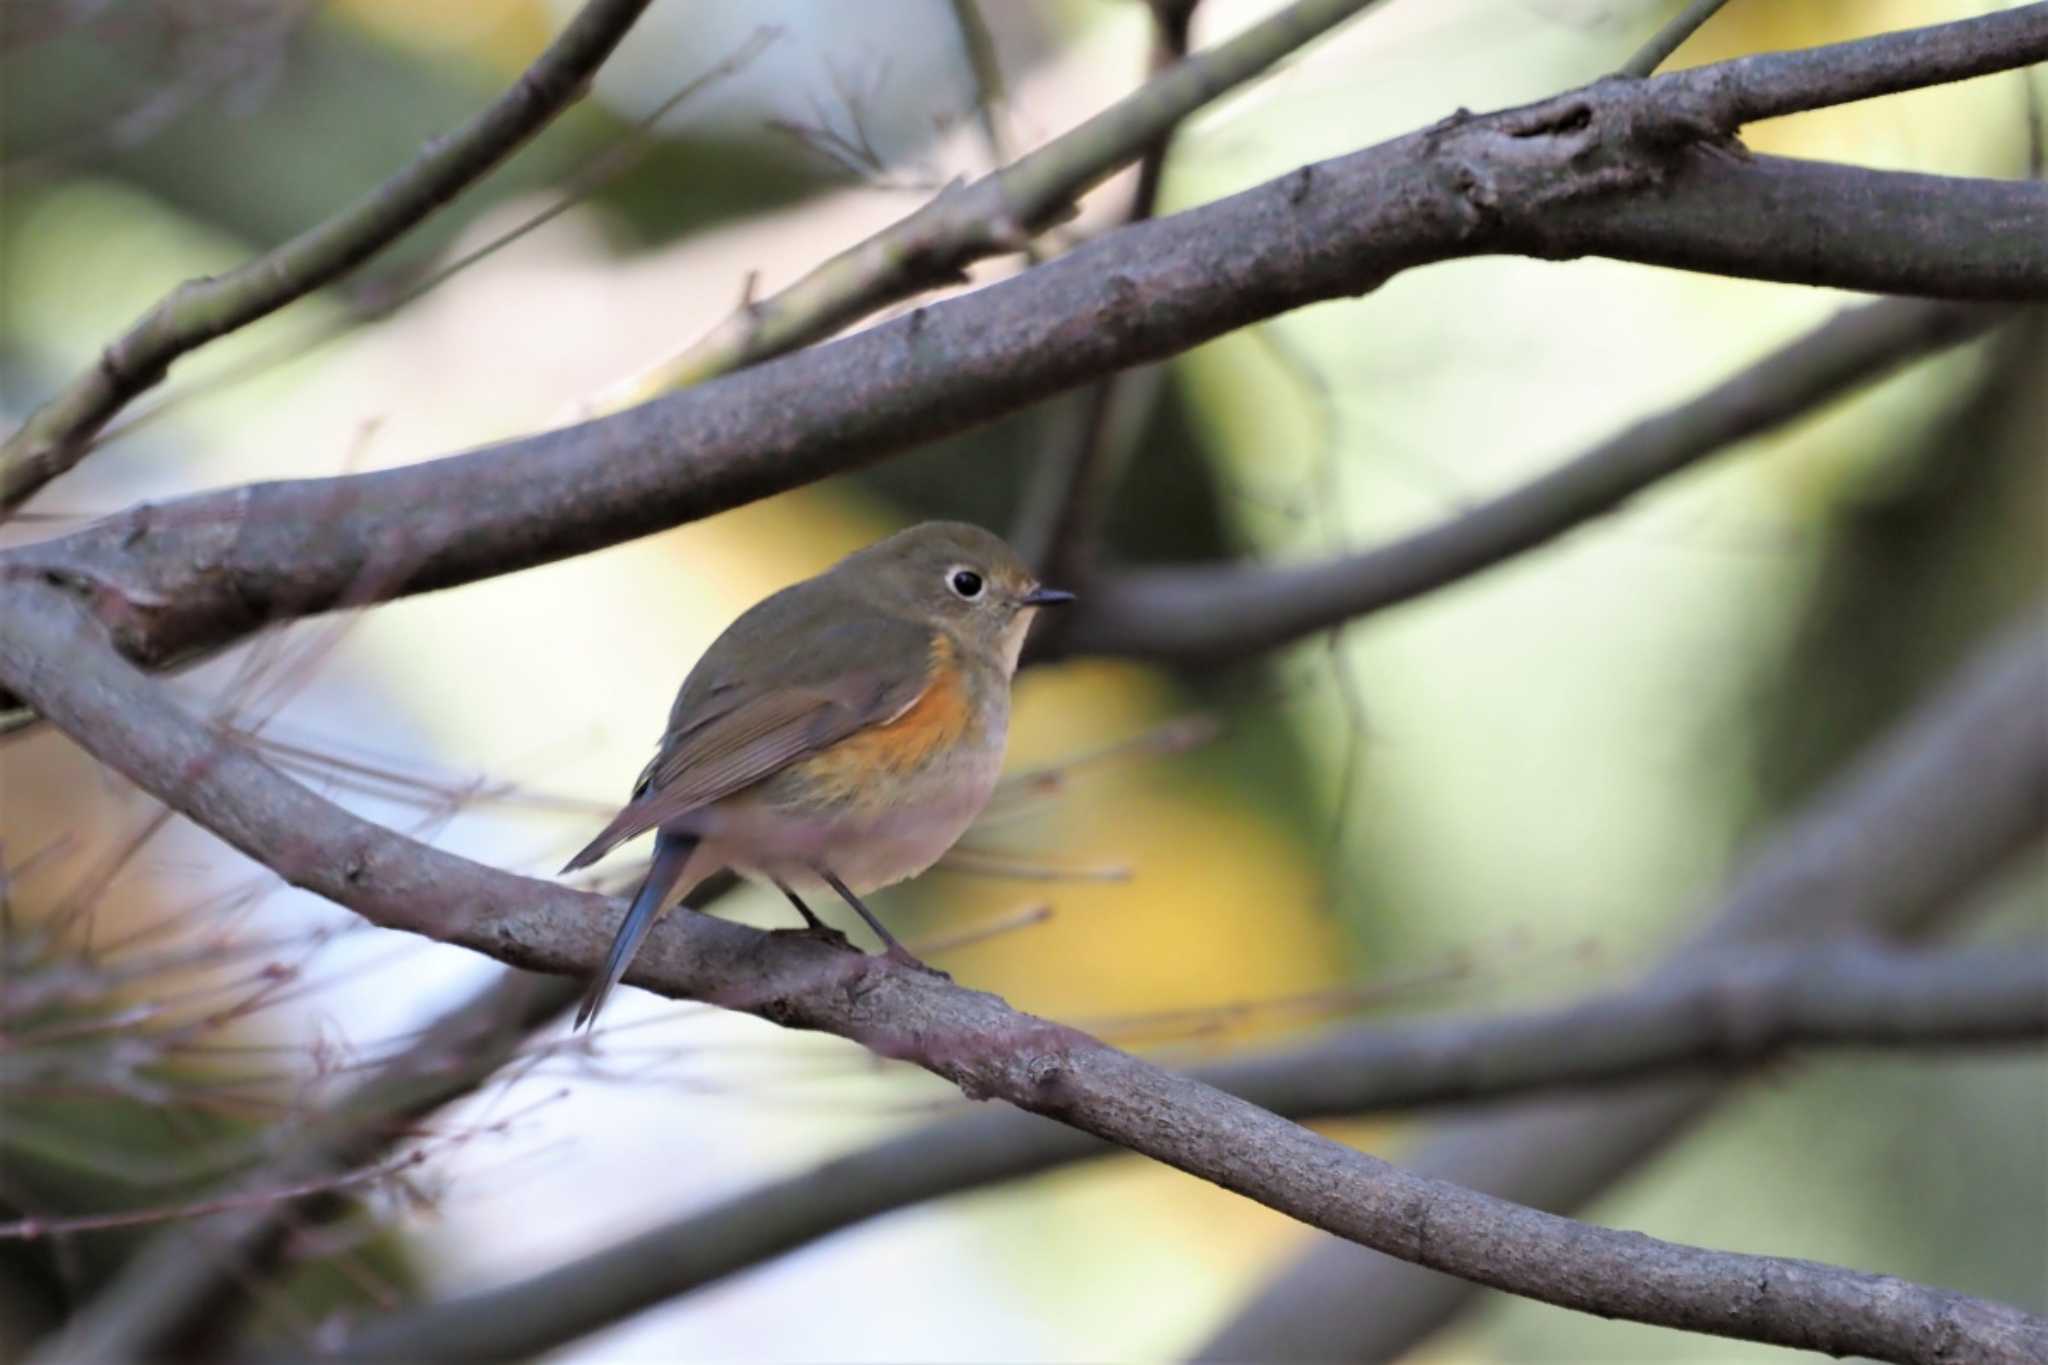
1046,597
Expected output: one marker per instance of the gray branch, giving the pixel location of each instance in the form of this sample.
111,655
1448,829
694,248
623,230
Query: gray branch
57,435
1222,612
1635,170
1068,495
61,660
1715,1011
1894,846
996,214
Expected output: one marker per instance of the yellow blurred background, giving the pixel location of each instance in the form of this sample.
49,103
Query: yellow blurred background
1549,768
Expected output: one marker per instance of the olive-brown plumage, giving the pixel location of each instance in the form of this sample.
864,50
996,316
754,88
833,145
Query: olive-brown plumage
841,733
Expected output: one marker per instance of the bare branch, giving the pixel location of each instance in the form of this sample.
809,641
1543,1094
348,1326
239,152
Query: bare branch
33,1228
1899,840
1616,169
1740,1007
1224,612
995,215
179,1282
58,657
1772,85
998,213
606,167
1670,38
56,435
978,46
1068,497
1931,818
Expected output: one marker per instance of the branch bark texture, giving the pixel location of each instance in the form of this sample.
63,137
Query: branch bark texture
1892,847
58,434
1636,170
1714,1012
58,657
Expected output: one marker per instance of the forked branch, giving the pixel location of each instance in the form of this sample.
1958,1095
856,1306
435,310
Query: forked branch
58,434
59,657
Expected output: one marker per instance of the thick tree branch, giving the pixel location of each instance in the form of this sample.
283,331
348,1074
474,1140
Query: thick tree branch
59,658
1211,613
1739,1008
179,1282
1897,844
1554,1154
1616,169
996,215
56,436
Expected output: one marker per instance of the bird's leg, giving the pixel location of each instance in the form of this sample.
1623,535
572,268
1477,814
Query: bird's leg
810,918
812,924
897,952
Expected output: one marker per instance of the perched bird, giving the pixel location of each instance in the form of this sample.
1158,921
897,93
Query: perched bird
840,735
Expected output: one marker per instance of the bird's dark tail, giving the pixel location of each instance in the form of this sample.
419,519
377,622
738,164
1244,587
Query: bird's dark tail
671,853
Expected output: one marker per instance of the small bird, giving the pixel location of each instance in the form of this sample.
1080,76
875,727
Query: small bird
840,735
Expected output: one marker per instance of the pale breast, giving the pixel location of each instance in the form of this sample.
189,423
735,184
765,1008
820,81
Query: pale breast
885,804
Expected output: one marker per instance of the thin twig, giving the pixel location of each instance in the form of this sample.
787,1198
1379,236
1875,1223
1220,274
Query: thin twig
1605,170
1588,172
1669,38
600,171
1225,612
997,214
54,437
990,95
1065,504
33,1229
174,1283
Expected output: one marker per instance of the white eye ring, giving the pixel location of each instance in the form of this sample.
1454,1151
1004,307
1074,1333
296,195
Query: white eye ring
965,582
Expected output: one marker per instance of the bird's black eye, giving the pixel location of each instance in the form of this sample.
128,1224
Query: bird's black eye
966,582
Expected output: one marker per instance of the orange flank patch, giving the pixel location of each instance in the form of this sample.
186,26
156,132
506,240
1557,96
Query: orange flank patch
923,731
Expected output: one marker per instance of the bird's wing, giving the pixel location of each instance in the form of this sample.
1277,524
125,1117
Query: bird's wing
714,756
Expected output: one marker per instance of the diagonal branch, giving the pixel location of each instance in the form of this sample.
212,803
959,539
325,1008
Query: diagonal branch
56,436
995,215
999,212
1068,494
1622,169
978,46
1211,613
1896,846
59,658
1668,39
1739,1008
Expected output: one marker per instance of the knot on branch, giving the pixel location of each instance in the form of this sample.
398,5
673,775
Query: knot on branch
1618,134
1025,1060
1124,305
